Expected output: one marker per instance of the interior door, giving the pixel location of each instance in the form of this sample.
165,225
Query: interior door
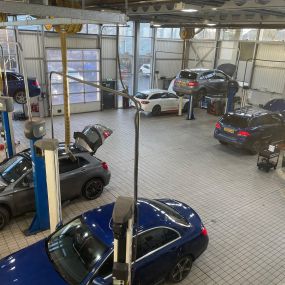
24,196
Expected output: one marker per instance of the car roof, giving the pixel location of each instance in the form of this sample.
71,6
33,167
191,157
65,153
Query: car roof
61,150
99,220
198,70
250,112
153,91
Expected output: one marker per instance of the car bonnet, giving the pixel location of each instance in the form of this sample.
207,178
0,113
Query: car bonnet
29,266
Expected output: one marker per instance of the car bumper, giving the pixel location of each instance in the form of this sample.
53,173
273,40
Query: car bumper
237,142
107,178
187,91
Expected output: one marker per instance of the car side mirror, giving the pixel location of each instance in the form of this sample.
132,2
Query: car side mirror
98,281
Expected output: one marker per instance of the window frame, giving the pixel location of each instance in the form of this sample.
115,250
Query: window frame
142,257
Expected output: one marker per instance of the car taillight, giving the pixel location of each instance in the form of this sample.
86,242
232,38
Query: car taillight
243,134
193,84
106,134
218,126
144,102
105,165
36,83
204,231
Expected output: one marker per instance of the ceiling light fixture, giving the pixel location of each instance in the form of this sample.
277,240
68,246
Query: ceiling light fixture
211,24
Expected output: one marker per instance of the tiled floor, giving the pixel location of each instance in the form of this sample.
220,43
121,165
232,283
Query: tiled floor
242,207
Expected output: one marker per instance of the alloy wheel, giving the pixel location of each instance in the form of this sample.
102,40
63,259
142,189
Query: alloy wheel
20,97
182,269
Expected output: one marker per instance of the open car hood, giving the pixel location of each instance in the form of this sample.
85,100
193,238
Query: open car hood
228,69
92,137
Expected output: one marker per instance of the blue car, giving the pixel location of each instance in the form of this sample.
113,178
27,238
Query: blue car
16,87
170,237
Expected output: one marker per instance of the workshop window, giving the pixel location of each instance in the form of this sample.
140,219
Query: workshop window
83,64
248,34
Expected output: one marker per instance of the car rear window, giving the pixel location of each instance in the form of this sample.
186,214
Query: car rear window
188,75
140,95
235,121
170,212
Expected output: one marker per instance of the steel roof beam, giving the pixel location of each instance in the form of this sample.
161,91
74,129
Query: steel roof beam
19,8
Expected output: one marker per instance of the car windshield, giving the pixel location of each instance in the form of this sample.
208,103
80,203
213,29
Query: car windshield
140,95
12,169
235,121
74,251
188,75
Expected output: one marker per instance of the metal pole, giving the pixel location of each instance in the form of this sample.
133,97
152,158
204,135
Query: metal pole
65,89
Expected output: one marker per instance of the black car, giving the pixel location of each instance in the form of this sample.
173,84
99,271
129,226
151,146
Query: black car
16,87
250,128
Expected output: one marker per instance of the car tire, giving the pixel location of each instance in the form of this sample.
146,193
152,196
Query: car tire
181,269
4,217
223,143
20,97
93,189
185,108
156,110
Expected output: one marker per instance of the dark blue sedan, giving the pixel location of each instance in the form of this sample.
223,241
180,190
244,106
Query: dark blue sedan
170,237
16,87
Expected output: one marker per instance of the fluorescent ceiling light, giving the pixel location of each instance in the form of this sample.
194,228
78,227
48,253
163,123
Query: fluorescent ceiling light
189,10
211,24
156,25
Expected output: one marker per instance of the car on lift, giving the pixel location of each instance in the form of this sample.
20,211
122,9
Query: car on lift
157,101
16,87
81,174
170,237
201,82
250,128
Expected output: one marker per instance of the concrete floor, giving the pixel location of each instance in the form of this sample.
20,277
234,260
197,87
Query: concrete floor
243,208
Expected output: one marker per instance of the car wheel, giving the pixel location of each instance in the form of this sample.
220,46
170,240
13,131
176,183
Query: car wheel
223,143
20,97
255,148
4,217
93,189
156,110
185,108
181,269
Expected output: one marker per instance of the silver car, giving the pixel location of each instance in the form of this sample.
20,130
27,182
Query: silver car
201,82
81,174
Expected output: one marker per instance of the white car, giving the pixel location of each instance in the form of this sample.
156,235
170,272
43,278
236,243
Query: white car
158,100
145,69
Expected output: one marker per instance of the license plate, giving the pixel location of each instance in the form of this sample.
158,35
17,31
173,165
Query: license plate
229,130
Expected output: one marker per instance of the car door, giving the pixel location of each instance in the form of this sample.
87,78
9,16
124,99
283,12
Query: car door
156,255
70,178
23,196
221,80
275,127
154,100
173,101
208,82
